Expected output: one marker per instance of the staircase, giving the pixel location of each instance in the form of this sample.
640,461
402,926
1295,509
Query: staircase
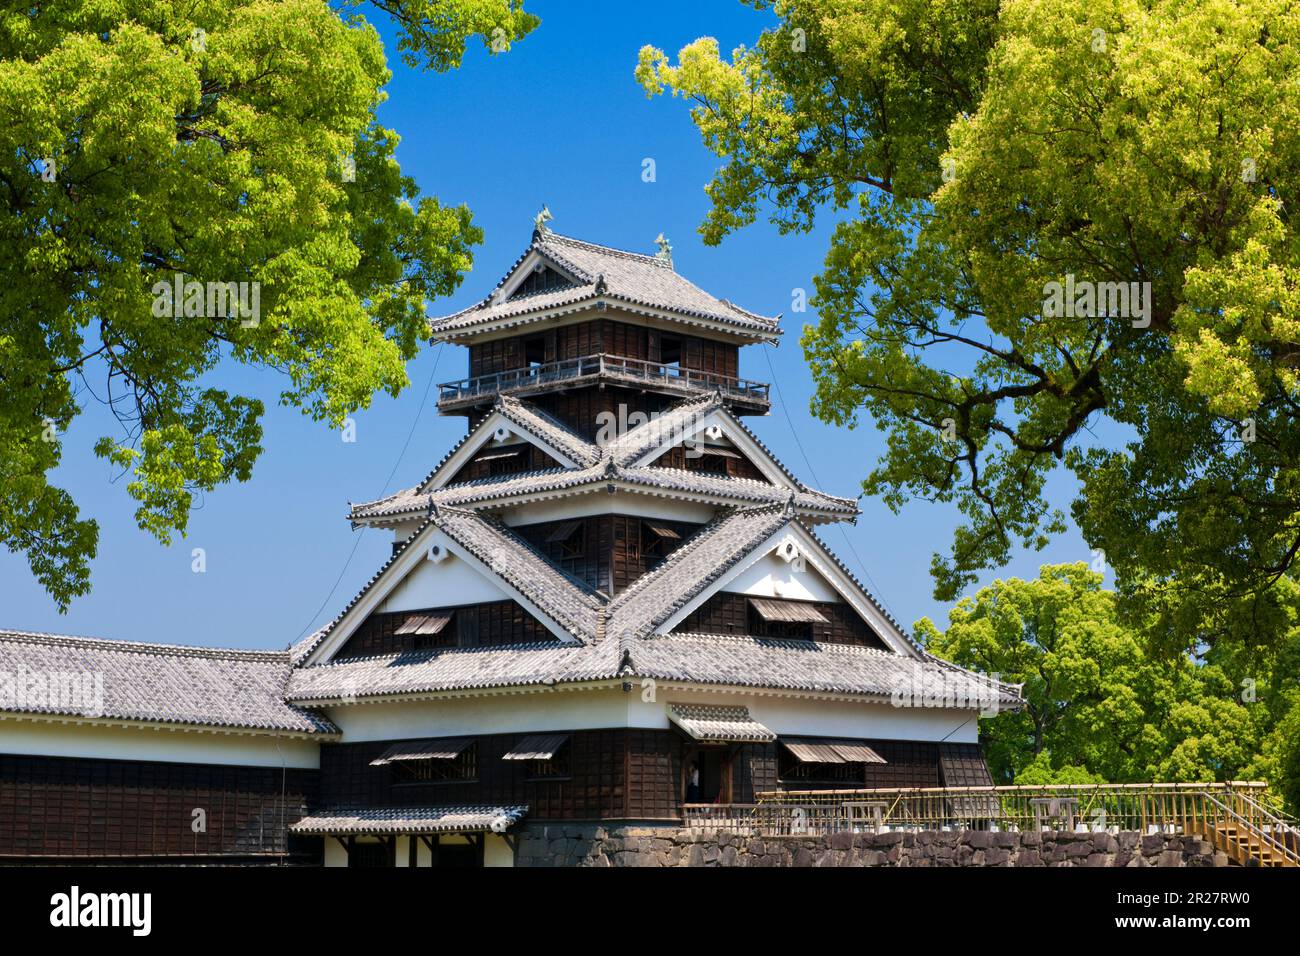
1250,833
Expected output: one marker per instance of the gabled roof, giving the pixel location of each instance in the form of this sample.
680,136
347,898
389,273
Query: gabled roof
813,667
501,490
708,659
565,599
423,819
584,614
151,683
666,429
570,608
717,550
689,571
626,459
548,433
454,669
631,634
636,282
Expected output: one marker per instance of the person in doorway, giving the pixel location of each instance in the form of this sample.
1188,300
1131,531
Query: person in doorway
693,783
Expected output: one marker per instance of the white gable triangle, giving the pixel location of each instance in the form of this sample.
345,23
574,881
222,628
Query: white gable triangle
718,428
431,571
795,546
494,431
534,263
774,576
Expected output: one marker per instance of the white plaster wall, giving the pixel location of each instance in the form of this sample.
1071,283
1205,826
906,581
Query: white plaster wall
497,852
335,853
405,529
170,746
770,576
819,718
590,710
444,583
547,710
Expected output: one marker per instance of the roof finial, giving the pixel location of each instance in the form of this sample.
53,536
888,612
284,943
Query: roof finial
539,223
665,253
601,288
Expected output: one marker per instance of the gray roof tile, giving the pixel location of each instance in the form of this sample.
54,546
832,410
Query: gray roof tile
161,683
619,636
629,277
810,666
613,460
477,668
571,602
487,491
444,819
690,569
689,658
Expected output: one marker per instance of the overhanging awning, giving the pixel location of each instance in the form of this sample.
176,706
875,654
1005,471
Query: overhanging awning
344,821
441,748
536,747
857,753
425,623
806,752
662,530
797,612
710,723
720,452
501,453
819,750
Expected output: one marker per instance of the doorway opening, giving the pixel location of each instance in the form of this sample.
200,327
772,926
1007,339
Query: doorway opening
708,775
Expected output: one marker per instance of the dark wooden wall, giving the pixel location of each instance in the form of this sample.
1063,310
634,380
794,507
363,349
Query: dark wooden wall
615,774
607,336
89,809
679,457
614,548
909,763
531,458
65,807
728,613
582,409
475,625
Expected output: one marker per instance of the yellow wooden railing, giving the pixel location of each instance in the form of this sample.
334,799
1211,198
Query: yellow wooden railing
1237,818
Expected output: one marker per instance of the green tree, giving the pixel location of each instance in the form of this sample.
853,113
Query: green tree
1097,704
214,142
974,153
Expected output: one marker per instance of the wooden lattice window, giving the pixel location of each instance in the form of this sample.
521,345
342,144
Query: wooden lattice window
780,630
557,768
506,461
544,279
463,768
571,537
791,768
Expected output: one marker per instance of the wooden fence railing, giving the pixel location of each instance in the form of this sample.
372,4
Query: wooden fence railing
1237,817
613,367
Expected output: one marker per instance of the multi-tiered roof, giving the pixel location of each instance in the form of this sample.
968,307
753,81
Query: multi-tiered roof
575,331
519,458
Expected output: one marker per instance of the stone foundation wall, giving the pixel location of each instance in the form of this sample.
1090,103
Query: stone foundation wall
592,845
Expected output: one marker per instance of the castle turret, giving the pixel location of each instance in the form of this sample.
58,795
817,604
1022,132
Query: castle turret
581,329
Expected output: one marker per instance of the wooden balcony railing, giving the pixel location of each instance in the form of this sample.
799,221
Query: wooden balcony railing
669,378
1237,818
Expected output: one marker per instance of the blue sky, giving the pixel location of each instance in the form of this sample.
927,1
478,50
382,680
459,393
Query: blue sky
558,120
